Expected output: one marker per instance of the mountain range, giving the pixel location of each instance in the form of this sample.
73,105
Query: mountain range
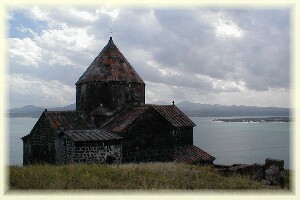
35,111
189,108
215,110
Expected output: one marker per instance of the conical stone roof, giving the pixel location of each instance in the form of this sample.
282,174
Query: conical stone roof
110,65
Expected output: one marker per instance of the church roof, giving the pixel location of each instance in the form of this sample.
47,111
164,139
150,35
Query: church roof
91,135
192,155
110,65
175,116
125,119
68,120
171,113
64,120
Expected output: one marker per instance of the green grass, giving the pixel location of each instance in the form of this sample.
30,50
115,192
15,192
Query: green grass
147,176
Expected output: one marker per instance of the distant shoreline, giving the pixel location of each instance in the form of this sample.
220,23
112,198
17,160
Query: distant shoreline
21,115
189,108
228,119
255,119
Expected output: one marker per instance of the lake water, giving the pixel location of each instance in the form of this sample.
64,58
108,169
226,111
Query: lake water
245,143
228,142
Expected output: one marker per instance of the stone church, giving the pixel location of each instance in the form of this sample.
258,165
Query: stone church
112,123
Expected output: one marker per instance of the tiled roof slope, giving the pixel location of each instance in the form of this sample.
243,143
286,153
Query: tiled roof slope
110,65
91,135
125,119
192,155
171,113
69,120
175,116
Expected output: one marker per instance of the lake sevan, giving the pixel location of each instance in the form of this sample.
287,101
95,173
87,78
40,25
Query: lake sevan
229,142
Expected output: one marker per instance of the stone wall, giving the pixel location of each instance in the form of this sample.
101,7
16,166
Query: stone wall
114,95
39,146
150,131
153,138
90,152
182,136
272,172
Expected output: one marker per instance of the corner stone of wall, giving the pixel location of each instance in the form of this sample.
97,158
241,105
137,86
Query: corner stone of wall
274,170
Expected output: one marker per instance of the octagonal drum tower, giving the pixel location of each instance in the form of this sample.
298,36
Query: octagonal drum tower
109,85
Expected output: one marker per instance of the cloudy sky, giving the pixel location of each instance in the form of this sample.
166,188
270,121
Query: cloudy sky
205,55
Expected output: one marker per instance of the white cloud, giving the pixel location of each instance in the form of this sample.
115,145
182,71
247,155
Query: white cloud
156,73
273,97
161,92
64,17
158,92
39,13
75,39
228,86
220,21
25,30
181,54
52,52
56,58
114,13
224,85
164,71
41,92
168,93
226,28
83,15
24,51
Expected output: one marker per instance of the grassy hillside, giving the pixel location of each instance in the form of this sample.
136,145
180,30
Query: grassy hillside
128,176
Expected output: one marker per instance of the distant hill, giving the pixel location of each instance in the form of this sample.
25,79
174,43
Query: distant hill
189,108
35,111
26,111
208,110
68,107
161,103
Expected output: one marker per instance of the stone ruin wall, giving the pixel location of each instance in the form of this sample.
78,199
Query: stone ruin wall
272,172
94,152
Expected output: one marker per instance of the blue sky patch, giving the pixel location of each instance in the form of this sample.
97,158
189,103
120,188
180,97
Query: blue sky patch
20,25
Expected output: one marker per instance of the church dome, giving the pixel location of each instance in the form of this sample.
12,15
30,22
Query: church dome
110,65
